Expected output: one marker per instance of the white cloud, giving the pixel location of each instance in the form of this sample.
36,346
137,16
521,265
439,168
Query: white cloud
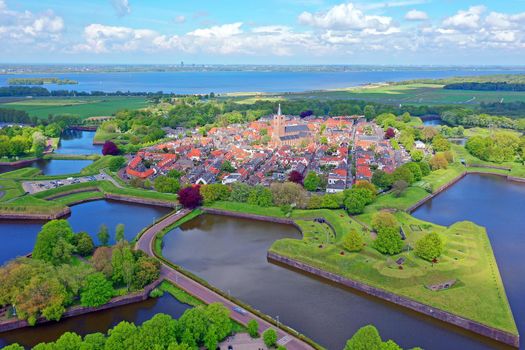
27,27
345,17
223,31
122,7
389,4
468,19
415,15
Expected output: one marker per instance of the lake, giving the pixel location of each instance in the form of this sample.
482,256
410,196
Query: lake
18,237
222,81
497,204
230,253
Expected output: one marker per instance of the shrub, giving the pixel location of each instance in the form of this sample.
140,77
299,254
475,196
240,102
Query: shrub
110,148
156,293
261,196
296,177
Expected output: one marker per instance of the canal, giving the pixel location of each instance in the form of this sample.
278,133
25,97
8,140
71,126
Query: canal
72,142
497,204
18,237
230,253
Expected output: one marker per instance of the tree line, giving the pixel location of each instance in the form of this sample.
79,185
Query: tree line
486,86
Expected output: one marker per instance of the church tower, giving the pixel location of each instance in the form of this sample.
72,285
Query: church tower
278,126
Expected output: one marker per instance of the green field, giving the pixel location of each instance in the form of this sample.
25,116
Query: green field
415,93
83,107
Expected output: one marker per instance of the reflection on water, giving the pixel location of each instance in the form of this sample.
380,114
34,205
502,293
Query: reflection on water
99,321
231,254
18,237
78,142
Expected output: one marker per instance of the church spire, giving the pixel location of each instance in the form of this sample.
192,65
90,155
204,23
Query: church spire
279,110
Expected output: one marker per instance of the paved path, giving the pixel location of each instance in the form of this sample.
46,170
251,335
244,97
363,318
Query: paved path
208,296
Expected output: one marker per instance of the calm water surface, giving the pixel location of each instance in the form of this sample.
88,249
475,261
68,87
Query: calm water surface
18,237
78,142
95,322
498,205
221,82
231,254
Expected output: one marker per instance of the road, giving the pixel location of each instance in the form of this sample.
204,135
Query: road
146,242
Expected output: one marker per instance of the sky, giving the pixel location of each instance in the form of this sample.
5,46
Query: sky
392,32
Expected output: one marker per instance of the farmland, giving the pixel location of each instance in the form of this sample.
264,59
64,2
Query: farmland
83,107
409,93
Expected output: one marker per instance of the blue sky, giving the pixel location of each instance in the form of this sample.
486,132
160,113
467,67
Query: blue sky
395,32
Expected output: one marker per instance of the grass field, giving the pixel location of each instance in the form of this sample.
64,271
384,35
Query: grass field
416,93
84,107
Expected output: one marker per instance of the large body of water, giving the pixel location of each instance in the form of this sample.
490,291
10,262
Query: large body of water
78,142
230,253
497,204
222,81
18,237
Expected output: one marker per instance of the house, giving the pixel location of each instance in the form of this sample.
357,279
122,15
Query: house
205,179
420,145
231,178
336,186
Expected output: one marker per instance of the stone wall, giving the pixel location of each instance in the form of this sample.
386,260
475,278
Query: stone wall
473,326
81,310
435,193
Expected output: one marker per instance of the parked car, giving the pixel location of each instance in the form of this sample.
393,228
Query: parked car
240,310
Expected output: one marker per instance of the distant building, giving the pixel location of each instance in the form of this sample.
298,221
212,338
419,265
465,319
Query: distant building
290,135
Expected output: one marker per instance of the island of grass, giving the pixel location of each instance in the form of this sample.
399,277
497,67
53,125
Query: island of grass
467,262
40,81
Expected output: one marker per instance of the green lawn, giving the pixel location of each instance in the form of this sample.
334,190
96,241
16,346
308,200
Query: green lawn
84,107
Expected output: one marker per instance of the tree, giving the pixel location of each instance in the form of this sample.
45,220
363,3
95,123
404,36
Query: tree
190,197
424,167
428,133
382,179
370,187
214,192
115,163
166,184
109,148
83,243
366,338
261,196
352,241
96,291
147,270
119,336
159,331
119,233
227,167
312,181
356,199
388,241
68,341
440,144
103,235
369,112
415,170
101,261
270,337
253,328
403,173
384,219
417,155
399,187
438,161
54,242
94,341
240,192
289,193
390,133
429,247
296,177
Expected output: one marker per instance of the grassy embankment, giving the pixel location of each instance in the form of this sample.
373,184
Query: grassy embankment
84,107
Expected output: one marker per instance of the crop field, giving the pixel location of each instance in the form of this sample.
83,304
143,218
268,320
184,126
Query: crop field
427,94
84,107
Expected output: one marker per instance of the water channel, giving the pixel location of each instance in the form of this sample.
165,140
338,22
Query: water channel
231,254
